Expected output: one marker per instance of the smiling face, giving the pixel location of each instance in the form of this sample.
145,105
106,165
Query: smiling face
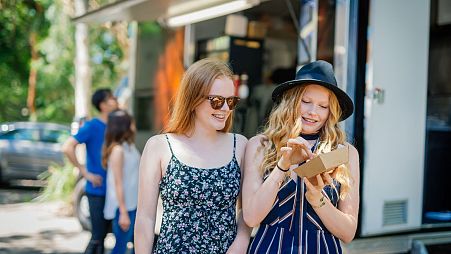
314,108
207,116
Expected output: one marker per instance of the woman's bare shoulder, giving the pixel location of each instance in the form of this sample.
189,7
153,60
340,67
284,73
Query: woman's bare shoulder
255,144
155,143
117,149
258,140
352,150
240,139
354,160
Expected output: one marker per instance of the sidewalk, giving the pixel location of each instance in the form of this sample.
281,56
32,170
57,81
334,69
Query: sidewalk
40,228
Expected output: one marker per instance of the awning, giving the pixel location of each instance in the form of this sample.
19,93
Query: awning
125,10
149,10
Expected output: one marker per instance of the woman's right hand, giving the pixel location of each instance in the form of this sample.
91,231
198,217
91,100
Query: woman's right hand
296,152
124,221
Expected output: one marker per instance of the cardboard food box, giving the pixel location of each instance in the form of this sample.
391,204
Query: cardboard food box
323,162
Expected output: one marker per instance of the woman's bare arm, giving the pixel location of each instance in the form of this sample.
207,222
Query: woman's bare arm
116,165
149,179
242,239
258,195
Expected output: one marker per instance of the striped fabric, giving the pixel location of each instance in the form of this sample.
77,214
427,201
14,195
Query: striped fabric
292,226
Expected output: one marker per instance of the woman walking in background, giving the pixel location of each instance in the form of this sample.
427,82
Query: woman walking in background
196,169
302,215
121,158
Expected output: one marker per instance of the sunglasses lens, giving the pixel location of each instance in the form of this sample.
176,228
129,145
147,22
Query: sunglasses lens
232,102
217,102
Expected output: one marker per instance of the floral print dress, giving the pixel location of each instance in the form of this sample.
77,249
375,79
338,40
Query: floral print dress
199,213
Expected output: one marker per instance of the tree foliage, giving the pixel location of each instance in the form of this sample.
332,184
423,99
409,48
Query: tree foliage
55,42
18,19
106,56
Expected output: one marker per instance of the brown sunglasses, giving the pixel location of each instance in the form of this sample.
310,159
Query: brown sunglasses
217,101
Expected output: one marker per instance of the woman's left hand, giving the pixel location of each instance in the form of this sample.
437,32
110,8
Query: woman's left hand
314,193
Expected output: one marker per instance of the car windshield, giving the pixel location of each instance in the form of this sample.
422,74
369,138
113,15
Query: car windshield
54,136
35,134
22,134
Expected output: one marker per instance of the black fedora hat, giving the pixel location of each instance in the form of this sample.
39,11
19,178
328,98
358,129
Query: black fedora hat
319,73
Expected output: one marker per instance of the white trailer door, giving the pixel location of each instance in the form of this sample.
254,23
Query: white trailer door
395,116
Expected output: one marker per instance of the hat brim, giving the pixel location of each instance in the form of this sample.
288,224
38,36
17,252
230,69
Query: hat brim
346,104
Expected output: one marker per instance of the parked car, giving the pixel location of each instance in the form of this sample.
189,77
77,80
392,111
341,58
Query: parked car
27,149
81,205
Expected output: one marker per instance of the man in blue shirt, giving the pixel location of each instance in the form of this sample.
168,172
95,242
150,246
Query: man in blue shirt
92,134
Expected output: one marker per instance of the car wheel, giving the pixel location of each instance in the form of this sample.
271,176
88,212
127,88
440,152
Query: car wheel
81,205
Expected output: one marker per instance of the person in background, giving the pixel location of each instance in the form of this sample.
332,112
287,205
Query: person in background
121,159
300,215
196,168
92,134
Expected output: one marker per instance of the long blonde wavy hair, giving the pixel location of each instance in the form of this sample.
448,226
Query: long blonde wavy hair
285,123
195,85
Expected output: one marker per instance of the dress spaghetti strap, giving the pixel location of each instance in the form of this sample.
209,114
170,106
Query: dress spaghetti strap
169,143
234,144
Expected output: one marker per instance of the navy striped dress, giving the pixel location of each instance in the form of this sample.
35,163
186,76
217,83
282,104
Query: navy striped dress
292,226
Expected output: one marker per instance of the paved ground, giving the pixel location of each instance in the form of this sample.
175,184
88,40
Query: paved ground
28,227
36,227
40,228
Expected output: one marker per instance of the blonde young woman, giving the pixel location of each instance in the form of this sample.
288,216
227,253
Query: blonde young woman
196,169
297,215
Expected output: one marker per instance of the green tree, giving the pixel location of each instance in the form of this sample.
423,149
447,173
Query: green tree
50,23
54,97
22,25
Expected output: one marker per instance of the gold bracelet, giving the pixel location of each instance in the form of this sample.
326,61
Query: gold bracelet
321,204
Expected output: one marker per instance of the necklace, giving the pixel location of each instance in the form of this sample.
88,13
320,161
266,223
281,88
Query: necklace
310,136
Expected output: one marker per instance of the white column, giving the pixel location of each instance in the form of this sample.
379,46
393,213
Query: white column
82,70
132,66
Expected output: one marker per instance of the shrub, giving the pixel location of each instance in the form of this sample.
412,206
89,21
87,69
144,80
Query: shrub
60,184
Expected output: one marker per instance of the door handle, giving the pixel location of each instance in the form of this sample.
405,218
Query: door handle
377,94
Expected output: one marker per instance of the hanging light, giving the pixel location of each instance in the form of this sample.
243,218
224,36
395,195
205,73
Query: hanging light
210,12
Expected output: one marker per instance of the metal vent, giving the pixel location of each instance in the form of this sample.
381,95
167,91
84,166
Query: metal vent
395,212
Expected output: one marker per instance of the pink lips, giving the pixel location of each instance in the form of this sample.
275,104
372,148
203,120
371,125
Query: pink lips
309,121
221,119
